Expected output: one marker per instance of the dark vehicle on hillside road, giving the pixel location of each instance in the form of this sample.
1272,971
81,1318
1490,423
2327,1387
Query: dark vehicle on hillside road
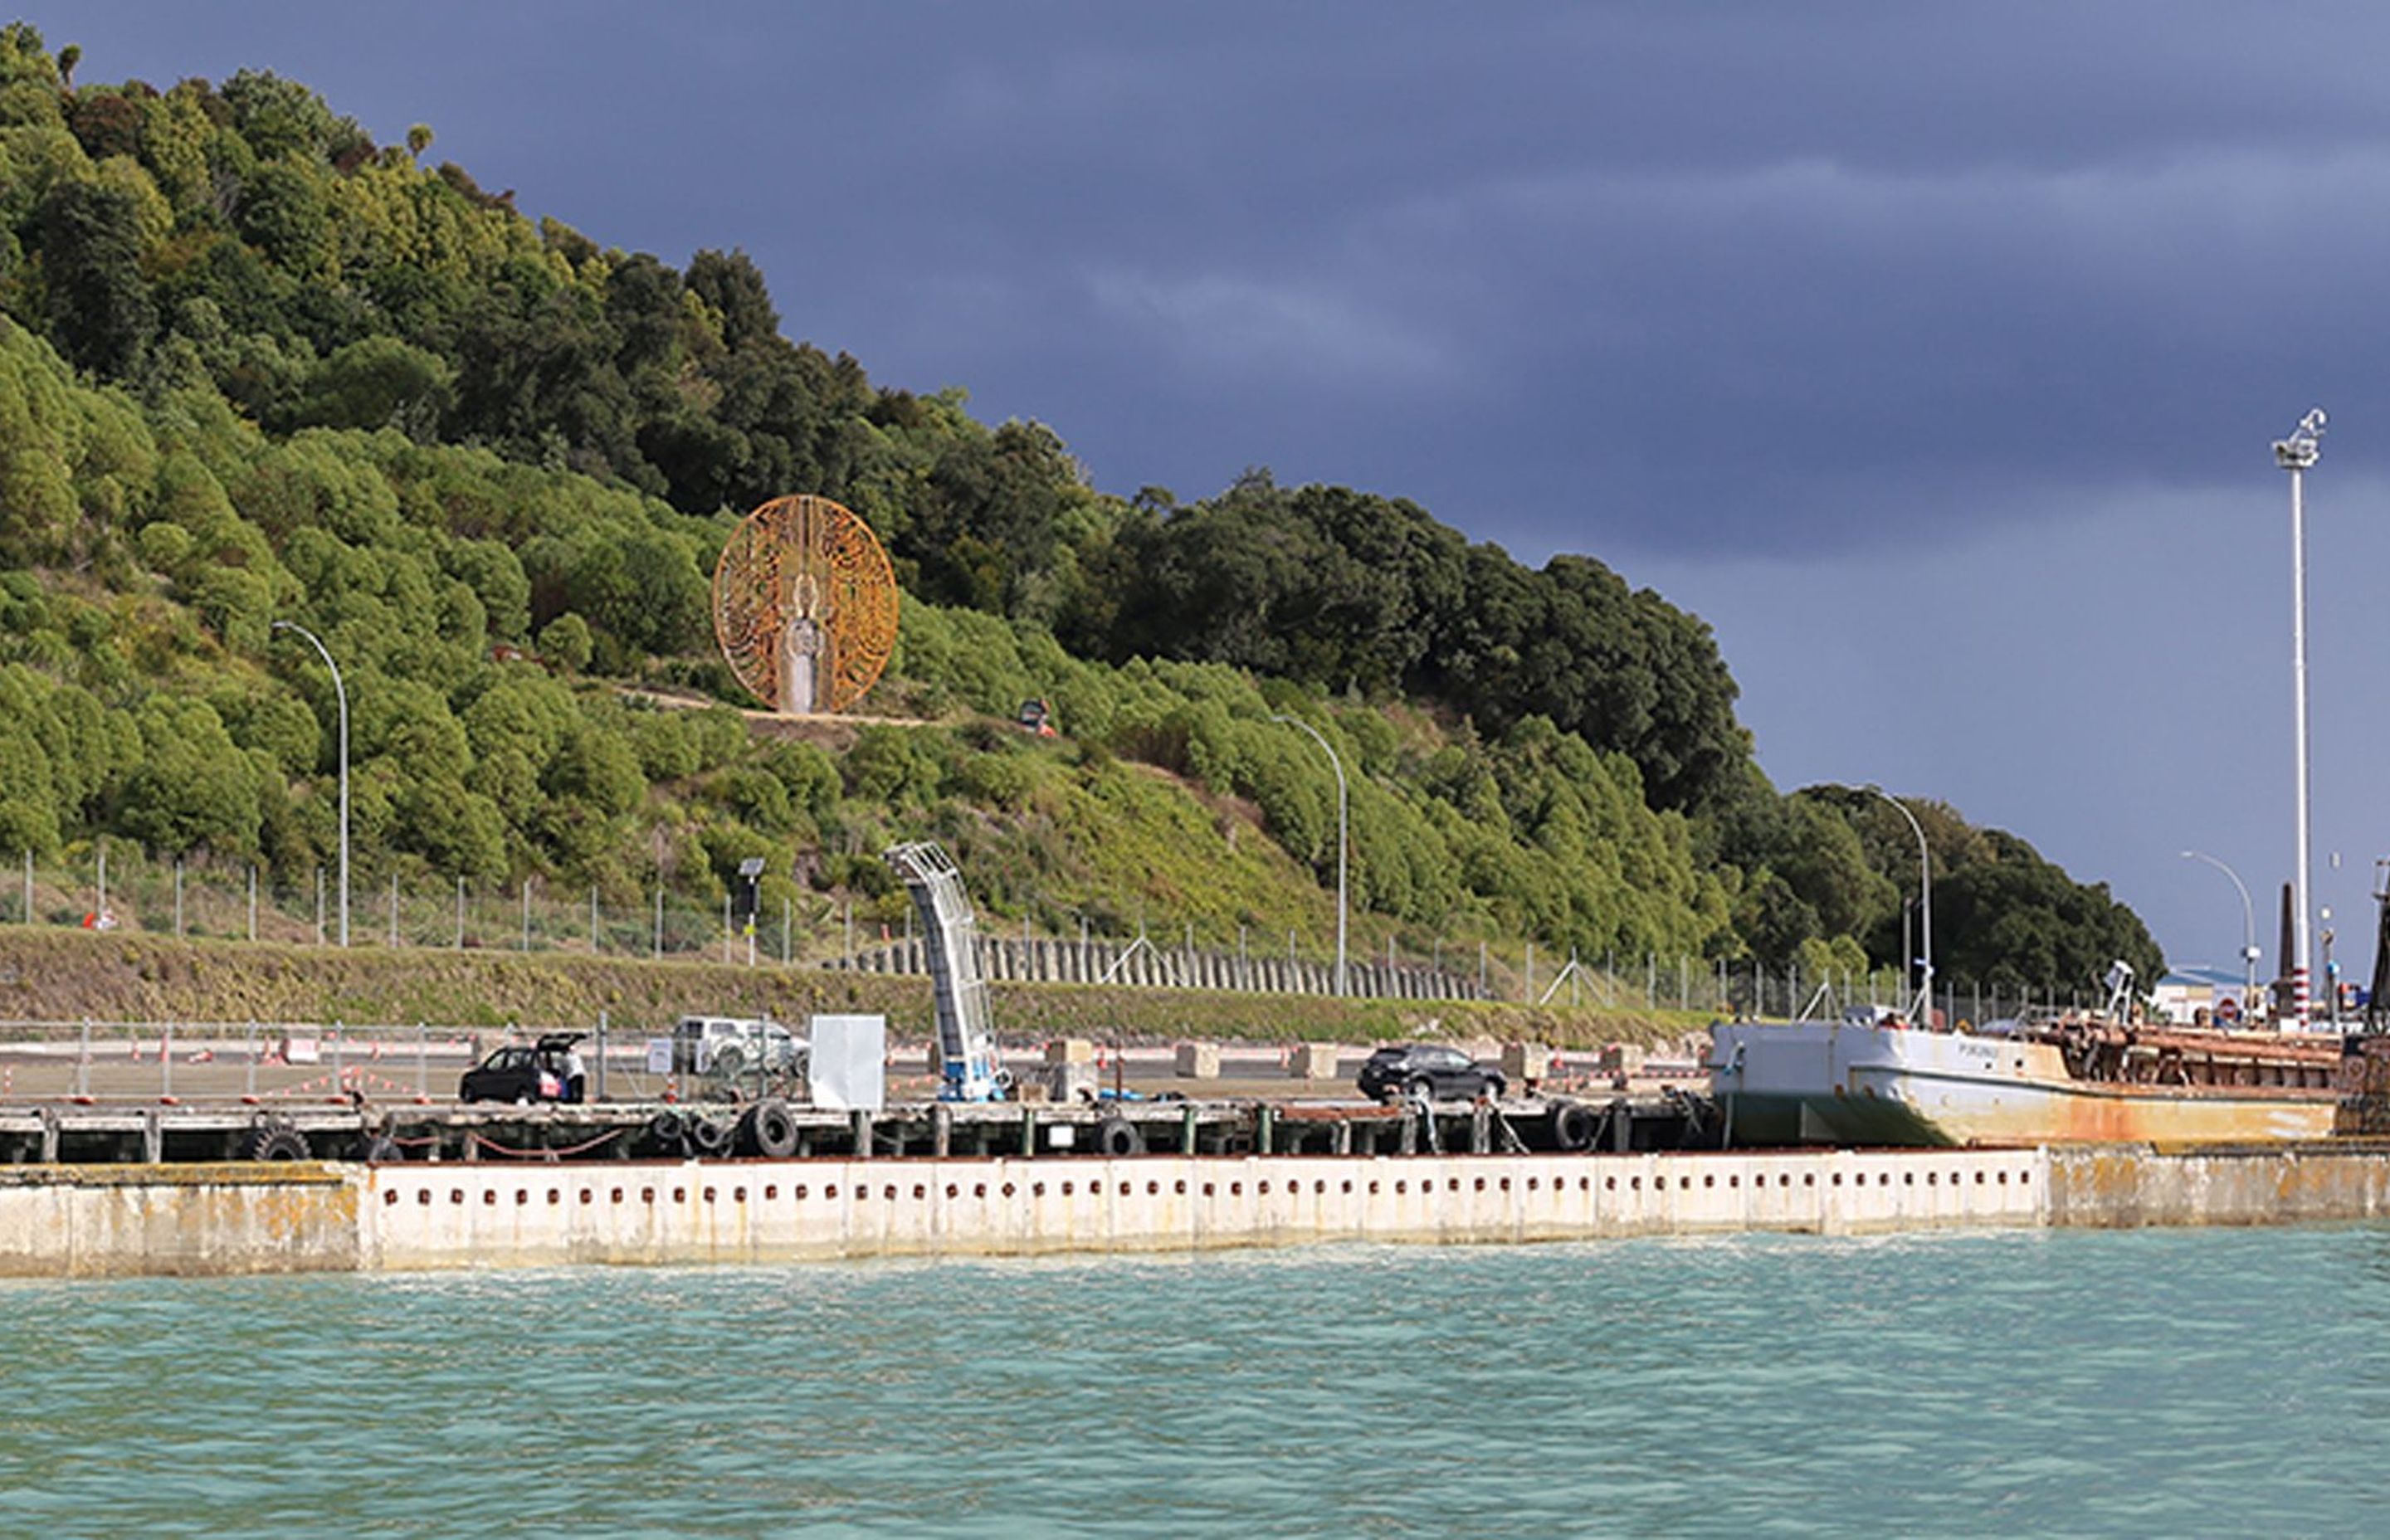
1427,1070
544,1072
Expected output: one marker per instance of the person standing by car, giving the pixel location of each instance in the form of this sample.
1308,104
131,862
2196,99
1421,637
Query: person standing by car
575,1076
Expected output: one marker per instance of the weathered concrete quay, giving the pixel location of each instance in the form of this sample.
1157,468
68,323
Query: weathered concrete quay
126,1133
304,1216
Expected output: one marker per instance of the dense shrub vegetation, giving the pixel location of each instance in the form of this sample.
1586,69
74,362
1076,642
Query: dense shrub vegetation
255,367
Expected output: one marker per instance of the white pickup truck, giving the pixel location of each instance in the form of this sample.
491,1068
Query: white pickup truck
728,1046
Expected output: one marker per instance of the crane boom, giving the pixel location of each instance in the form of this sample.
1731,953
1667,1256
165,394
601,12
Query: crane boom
971,1065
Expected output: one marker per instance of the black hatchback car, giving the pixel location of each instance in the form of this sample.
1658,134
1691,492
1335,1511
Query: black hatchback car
544,1072
1428,1070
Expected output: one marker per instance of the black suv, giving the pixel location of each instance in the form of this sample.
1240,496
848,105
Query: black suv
1427,1069
540,1072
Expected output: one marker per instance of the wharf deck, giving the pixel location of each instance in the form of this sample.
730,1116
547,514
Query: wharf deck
106,1132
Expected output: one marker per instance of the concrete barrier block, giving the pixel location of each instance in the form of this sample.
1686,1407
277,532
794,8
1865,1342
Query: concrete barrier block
1525,1062
1312,1061
1199,1062
1071,1050
1622,1059
1068,1080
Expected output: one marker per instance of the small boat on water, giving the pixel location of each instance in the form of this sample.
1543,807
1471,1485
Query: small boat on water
1873,1078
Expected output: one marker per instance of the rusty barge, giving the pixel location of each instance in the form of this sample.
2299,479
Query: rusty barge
1870,1078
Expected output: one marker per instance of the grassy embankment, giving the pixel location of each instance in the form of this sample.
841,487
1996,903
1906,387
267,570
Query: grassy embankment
63,977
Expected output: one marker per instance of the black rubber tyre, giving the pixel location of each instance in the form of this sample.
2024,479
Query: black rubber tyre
729,1062
771,1130
708,1138
1118,1137
273,1144
1573,1126
667,1128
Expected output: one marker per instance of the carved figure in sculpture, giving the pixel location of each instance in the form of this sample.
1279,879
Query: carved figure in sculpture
804,605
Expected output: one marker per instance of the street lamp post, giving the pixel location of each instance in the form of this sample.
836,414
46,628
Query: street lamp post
341,691
2295,454
1924,907
1341,840
2248,931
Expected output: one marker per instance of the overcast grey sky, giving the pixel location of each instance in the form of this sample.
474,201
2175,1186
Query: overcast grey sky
1930,351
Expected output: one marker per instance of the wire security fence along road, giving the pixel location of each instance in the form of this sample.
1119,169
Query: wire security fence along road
118,889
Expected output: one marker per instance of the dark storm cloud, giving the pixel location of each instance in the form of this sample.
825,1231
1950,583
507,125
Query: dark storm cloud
1634,275
1930,349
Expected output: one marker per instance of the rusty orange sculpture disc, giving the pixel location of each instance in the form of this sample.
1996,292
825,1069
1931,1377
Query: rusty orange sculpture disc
804,605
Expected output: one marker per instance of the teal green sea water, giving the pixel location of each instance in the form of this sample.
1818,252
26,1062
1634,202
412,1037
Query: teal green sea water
2150,1384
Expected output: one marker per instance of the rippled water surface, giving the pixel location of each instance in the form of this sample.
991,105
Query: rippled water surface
2154,1383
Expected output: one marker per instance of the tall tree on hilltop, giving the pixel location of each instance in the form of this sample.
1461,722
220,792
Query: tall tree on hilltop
100,313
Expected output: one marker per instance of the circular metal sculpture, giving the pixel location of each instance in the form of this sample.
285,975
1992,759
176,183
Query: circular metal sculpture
804,605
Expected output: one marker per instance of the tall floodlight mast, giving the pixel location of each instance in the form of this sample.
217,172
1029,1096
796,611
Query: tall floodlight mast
2294,454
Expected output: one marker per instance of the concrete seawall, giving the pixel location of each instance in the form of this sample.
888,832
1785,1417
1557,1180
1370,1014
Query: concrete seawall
425,1217
83,1221
2132,1186
95,1221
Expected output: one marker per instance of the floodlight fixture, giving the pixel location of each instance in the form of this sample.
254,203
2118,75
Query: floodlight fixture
2299,451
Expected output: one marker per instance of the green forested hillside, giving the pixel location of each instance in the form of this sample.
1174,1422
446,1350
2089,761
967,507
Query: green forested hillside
254,366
